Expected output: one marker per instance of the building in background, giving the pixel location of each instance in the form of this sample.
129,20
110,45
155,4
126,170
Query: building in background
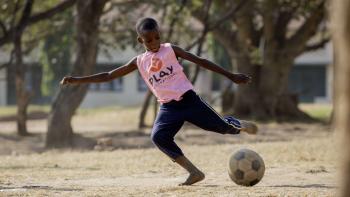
310,79
312,76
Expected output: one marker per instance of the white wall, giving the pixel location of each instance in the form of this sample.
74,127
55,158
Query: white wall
3,87
320,56
128,96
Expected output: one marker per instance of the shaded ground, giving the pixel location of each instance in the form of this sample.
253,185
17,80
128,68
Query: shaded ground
128,137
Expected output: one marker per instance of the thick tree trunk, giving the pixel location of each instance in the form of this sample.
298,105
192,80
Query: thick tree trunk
279,103
341,25
247,100
267,96
22,95
60,132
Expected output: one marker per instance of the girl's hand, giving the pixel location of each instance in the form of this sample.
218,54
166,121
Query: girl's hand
240,78
66,80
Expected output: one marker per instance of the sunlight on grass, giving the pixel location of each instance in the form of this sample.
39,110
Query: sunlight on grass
12,109
107,109
319,111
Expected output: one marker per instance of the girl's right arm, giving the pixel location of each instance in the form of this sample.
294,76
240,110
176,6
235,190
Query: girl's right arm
104,76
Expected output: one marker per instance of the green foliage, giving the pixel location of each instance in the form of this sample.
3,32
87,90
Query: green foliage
56,53
11,10
41,6
12,110
118,30
221,57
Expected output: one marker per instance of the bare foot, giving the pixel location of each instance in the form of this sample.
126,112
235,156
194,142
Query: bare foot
249,127
193,178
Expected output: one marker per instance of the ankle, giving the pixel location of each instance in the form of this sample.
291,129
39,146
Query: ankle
187,165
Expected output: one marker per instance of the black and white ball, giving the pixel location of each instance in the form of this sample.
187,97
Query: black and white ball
246,167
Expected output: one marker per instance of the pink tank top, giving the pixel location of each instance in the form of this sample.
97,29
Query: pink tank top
163,74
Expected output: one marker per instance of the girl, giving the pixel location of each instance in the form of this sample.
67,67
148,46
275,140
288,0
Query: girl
164,76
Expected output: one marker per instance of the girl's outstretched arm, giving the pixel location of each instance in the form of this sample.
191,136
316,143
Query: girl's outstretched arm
104,76
237,78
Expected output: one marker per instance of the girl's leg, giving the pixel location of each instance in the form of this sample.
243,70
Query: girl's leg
167,124
205,117
163,137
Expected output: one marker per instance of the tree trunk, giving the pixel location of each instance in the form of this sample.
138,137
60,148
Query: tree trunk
60,132
247,101
144,109
267,97
341,25
22,95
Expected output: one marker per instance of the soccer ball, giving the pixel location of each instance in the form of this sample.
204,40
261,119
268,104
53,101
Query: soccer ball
246,167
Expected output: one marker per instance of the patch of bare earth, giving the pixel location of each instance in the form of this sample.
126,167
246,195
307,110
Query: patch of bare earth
300,160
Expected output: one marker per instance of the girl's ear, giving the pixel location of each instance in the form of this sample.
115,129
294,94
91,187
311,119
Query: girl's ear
139,39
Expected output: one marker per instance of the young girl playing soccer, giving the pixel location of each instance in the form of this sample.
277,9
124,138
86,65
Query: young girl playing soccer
164,76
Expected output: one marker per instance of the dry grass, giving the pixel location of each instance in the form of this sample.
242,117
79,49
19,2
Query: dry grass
300,160
296,168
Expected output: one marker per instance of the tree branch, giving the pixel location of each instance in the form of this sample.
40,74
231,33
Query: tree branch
318,45
51,12
284,17
198,14
3,28
225,32
305,32
228,15
25,17
26,20
244,21
282,24
175,18
268,8
204,18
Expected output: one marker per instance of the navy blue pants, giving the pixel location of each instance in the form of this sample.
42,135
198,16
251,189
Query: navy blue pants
193,109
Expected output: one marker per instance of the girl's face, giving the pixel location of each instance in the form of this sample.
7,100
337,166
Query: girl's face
150,40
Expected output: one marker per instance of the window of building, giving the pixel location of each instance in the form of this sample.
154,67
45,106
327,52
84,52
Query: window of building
308,82
105,86
115,85
141,85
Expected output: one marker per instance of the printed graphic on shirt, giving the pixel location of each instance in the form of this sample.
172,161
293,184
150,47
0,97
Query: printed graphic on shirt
156,64
158,72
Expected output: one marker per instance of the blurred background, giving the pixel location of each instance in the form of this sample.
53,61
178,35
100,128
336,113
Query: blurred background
299,73
284,45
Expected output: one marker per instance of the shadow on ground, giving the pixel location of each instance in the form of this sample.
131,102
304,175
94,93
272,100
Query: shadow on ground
11,144
36,187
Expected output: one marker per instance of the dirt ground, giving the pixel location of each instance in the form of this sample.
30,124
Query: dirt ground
300,159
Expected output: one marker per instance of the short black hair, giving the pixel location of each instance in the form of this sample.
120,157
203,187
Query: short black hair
146,24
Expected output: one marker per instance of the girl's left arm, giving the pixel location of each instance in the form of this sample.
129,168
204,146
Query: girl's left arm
237,78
